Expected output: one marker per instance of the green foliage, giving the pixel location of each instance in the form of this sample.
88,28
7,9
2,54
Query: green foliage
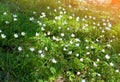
41,41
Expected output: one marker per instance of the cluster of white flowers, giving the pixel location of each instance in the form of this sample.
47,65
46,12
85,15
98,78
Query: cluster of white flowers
31,18
15,17
103,26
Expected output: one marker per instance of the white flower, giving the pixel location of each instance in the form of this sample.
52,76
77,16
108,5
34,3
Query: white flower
3,35
77,44
117,70
92,47
41,17
39,23
98,24
60,39
14,15
90,17
98,60
83,19
87,47
86,25
60,7
97,40
45,34
107,56
46,49
108,45
86,9
62,34
72,35
71,42
111,40
54,21
16,35
103,20
42,55
77,55
23,33
119,54
44,25
55,10
32,49
20,48
113,36
99,75
70,52
54,61
43,14
5,13
54,38
61,12
65,12
64,23
94,23
63,9
7,22
109,25
93,42
70,17
57,39
94,18
68,28
111,64
83,80
107,28
59,27
34,12
31,18
86,16
36,34
81,59
104,24
48,7
88,53
119,16
103,31
59,1
15,19
77,19
70,6
103,50
78,73
77,40
42,28
64,49
86,40
108,20
95,64
39,51
48,33
66,45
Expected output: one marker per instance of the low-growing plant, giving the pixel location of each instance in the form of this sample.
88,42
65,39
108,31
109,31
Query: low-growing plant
56,44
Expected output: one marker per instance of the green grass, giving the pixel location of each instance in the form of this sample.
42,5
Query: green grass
37,44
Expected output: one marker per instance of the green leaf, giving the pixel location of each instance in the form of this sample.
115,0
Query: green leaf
53,71
40,80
